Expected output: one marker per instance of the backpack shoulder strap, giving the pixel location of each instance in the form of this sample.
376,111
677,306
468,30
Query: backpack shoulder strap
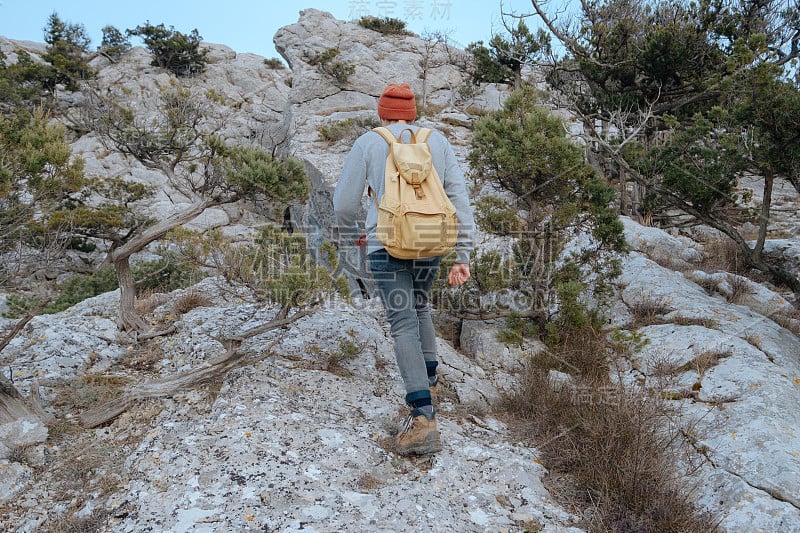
423,134
387,135
420,136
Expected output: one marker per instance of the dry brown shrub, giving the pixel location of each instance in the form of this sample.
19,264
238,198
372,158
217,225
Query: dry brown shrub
723,254
739,287
649,311
192,300
615,444
581,353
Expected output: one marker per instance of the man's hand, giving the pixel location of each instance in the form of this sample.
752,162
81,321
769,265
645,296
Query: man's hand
459,274
362,239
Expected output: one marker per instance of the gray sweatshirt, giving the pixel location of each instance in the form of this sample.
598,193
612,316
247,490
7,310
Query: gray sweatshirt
366,165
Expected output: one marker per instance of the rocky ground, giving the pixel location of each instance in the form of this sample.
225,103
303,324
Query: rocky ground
300,438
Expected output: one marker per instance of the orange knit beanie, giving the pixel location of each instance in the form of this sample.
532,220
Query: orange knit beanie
397,103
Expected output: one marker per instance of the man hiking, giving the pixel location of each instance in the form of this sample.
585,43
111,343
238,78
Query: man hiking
404,284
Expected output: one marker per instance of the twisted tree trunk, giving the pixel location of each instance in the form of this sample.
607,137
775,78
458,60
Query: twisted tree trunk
14,406
129,319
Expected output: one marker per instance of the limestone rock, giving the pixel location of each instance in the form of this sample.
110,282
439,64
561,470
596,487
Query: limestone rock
15,478
21,433
744,370
303,434
479,339
10,47
743,291
660,246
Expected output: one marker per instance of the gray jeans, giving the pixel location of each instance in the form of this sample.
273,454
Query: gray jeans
404,286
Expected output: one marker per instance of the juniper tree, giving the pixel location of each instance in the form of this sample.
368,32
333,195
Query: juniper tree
503,60
177,52
114,43
67,46
682,89
38,176
29,83
25,83
548,195
177,135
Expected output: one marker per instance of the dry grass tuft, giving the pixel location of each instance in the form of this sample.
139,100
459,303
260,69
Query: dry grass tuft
722,254
92,523
82,473
19,454
90,390
613,443
649,311
701,363
192,300
739,287
145,357
694,321
83,467
709,359
755,340
368,482
148,300
789,320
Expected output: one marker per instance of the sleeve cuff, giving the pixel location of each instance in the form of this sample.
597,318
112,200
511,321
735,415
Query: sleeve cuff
462,256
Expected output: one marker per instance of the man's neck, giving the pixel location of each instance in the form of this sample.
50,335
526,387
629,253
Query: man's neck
385,122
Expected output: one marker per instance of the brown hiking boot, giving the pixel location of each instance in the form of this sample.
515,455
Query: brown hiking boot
419,435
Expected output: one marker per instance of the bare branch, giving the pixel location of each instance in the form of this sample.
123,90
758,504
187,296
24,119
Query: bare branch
561,34
282,319
21,324
214,369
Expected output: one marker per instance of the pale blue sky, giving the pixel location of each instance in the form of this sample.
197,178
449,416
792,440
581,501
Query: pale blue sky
248,26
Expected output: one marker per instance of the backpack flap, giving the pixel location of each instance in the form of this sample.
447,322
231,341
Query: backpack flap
413,163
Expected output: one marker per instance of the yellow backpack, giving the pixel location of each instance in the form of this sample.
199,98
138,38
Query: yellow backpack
416,219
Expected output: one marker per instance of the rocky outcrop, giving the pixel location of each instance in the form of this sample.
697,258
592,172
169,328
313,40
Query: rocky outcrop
736,374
